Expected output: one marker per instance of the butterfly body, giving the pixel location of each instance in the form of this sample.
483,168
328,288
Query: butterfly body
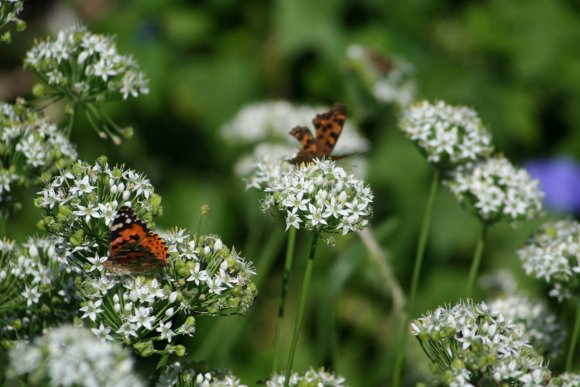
133,248
328,127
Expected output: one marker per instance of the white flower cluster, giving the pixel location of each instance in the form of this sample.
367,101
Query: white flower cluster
321,197
447,135
496,190
206,278
311,378
86,66
536,320
553,255
31,150
390,80
272,122
212,278
71,356
82,201
36,287
137,311
567,379
194,375
475,345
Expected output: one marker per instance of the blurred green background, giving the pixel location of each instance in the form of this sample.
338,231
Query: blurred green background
516,63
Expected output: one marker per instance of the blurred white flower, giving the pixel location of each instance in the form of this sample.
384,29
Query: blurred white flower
553,255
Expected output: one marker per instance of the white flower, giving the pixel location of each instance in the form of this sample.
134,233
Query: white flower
273,120
187,373
467,333
91,310
535,320
311,378
103,71
71,356
496,190
553,255
448,135
321,196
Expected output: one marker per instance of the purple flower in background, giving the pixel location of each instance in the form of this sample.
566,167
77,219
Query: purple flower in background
560,180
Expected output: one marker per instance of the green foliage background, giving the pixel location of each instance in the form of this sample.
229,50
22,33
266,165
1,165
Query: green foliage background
516,63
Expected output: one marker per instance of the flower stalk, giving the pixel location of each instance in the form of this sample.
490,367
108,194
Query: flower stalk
476,262
422,243
283,292
574,338
301,306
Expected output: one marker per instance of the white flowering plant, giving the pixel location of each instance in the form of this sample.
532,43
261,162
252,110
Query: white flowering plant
552,255
195,374
80,204
205,278
495,190
32,149
535,319
271,121
447,135
71,356
86,69
37,289
321,197
203,275
473,344
102,298
311,378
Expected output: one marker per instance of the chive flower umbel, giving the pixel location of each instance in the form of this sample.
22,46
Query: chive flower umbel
473,344
447,135
553,255
322,197
496,190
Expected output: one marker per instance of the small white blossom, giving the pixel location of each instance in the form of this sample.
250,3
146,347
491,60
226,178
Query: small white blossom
447,135
496,190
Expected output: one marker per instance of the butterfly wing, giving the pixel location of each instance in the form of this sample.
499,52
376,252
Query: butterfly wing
133,248
307,144
328,128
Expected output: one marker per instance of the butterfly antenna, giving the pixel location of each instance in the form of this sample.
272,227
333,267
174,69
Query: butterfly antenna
203,211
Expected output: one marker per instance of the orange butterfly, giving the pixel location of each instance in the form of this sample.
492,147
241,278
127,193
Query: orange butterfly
133,248
328,128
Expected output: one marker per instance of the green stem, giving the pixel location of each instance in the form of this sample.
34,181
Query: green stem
3,223
71,120
574,338
301,306
476,262
422,243
285,277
